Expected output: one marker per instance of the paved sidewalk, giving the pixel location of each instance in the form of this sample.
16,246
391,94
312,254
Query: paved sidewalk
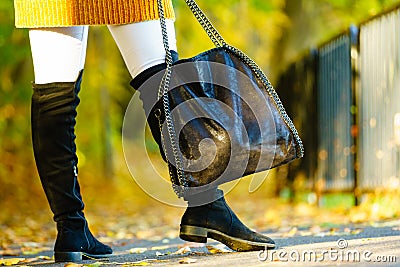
348,245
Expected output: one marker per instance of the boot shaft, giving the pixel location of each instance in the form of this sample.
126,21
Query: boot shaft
53,117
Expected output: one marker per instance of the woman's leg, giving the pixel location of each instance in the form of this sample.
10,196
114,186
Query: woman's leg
58,57
142,48
141,44
58,53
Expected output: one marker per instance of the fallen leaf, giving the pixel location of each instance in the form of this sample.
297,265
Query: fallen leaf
31,245
182,250
171,234
200,253
10,261
145,234
191,245
137,250
333,231
356,231
321,234
44,258
28,260
10,252
187,261
291,233
359,216
33,250
71,264
96,264
145,262
218,249
306,233
142,263
315,229
160,247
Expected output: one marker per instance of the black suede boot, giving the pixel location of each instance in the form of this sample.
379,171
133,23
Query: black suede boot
53,121
214,220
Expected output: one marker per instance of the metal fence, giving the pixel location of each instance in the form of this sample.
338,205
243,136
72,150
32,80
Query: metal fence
379,101
356,90
297,90
335,160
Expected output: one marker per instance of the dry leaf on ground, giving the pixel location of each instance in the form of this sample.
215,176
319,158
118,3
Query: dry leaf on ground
96,264
187,261
160,247
291,233
218,249
182,250
10,252
71,264
44,258
10,261
192,245
137,250
158,254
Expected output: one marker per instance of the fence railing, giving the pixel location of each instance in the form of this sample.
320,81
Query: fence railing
334,89
379,101
344,98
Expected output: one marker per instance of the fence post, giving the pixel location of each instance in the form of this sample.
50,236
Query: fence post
355,49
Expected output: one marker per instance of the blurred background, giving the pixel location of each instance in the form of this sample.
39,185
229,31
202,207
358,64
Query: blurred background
321,68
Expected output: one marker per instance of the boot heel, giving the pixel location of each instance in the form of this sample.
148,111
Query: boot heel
193,234
67,256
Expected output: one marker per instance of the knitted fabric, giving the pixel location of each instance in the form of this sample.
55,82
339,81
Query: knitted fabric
62,13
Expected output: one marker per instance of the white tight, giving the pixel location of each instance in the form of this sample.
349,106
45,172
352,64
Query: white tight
59,53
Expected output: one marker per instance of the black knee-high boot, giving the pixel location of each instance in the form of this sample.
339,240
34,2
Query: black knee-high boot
207,215
53,120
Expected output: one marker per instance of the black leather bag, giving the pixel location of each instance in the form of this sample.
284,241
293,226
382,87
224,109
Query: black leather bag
220,119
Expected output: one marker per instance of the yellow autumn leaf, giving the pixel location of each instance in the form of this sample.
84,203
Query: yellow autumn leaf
160,247
10,261
217,249
44,258
137,250
95,264
142,263
356,231
71,264
291,233
182,250
33,251
187,261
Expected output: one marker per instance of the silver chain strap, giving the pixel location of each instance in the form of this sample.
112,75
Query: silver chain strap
206,24
218,41
180,185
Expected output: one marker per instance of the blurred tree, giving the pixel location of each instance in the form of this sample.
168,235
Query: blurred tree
15,75
315,21
253,26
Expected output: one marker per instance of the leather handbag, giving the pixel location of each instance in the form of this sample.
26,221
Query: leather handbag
220,118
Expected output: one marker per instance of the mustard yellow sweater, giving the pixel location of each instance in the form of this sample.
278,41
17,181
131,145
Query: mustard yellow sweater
58,13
